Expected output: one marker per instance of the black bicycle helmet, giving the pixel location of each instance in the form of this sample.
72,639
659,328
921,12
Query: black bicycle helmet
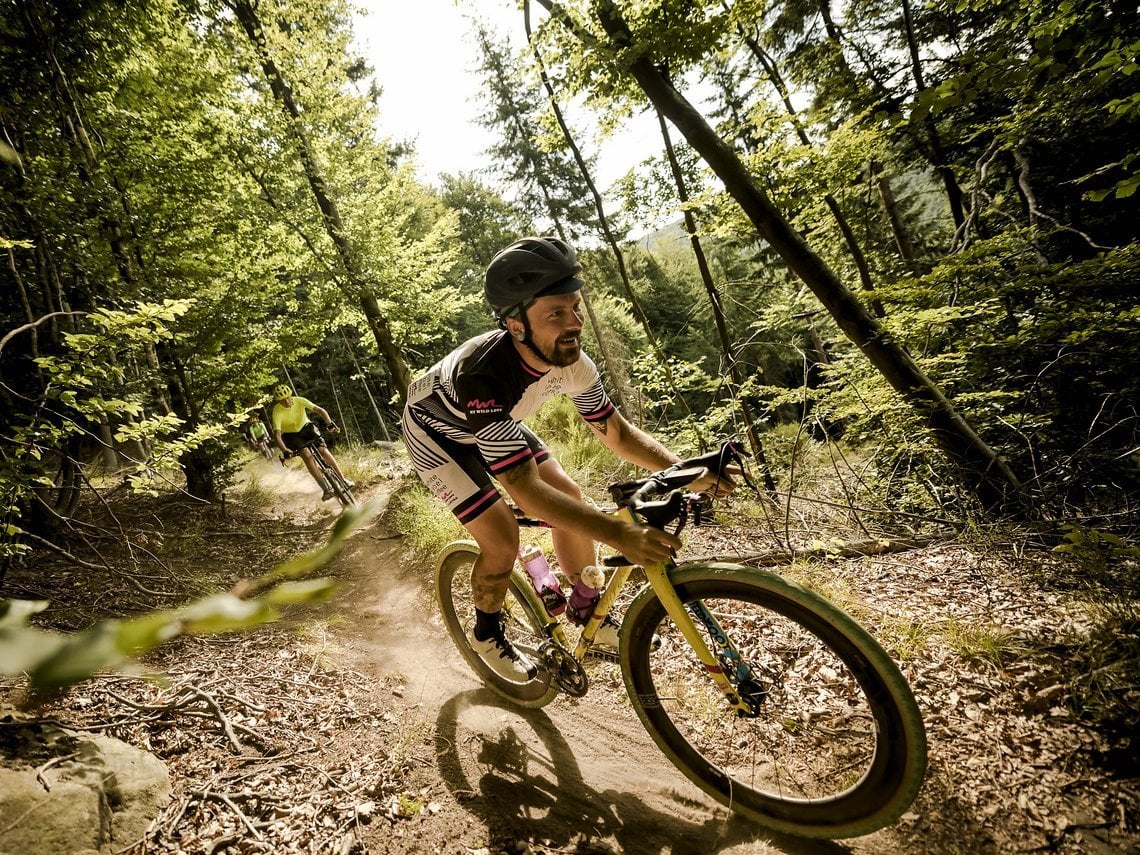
530,268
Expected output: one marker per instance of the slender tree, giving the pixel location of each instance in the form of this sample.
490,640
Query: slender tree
982,469
727,346
247,16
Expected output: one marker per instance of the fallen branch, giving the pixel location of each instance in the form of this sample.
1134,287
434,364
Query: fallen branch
228,801
44,542
783,557
54,761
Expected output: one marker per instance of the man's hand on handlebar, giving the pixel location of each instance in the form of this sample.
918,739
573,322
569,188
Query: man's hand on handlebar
642,544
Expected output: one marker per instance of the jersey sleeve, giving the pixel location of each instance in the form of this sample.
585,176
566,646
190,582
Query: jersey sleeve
498,436
591,399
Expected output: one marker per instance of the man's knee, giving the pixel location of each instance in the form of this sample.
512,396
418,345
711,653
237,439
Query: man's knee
497,534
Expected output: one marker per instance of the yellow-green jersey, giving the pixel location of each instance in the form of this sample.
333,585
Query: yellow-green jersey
294,417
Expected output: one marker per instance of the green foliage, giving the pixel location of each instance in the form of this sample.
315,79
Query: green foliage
1095,549
991,645
550,187
188,241
1038,357
424,521
54,662
1105,662
574,444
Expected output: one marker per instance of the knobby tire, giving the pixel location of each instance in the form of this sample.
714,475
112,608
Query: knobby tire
838,748
524,620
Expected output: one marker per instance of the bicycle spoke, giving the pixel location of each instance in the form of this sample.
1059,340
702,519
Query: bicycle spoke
523,627
814,736
834,746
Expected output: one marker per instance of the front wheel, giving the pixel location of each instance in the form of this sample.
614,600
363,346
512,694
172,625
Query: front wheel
524,623
340,489
836,747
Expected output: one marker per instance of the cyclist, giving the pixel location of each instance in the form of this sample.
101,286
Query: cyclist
292,431
256,434
462,426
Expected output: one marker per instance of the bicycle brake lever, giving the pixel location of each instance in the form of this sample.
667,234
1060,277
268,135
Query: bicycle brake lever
684,518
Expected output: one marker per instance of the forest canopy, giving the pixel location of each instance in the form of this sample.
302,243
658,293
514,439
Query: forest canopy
908,228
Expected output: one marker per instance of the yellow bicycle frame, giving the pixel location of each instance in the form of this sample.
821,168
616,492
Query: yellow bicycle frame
658,577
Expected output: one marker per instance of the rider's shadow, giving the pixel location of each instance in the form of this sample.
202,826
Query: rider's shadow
505,778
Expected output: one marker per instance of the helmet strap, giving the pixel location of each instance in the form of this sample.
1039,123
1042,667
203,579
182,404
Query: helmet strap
527,341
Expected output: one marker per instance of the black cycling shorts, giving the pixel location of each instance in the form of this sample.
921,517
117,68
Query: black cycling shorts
308,432
455,472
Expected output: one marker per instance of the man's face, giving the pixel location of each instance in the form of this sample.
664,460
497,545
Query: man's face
556,327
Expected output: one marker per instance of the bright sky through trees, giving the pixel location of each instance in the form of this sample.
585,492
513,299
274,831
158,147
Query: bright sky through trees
425,60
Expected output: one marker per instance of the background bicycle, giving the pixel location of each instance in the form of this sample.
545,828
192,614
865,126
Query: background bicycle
763,693
341,489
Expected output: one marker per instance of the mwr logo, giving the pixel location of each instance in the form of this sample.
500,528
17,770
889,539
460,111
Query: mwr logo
477,406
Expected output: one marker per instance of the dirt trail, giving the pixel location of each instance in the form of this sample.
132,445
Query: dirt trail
578,775
1006,774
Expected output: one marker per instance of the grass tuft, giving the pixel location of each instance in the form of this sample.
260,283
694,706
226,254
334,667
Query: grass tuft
990,645
426,523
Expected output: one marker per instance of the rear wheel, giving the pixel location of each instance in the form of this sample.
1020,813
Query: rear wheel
524,623
836,747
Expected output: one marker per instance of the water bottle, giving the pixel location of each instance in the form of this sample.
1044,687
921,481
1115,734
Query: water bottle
544,581
586,592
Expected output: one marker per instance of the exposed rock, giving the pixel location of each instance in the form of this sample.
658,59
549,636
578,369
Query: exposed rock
64,792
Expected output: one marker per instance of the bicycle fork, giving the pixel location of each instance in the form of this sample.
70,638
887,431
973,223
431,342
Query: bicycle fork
731,673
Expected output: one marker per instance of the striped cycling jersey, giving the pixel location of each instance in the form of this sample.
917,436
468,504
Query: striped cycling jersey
478,394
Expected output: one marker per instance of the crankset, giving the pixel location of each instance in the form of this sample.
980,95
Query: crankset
564,669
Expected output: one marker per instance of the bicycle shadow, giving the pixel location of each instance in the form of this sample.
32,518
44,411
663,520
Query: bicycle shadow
537,792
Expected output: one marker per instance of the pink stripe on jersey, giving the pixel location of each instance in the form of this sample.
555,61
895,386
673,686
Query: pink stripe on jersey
601,415
533,372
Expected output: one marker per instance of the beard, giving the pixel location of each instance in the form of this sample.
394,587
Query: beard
563,353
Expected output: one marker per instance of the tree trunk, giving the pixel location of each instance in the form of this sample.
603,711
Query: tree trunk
391,354
75,127
894,218
727,348
980,468
857,255
107,446
949,181
604,224
330,213
367,390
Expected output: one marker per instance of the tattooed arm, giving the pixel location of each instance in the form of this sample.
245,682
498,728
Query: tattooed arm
641,544
632,444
